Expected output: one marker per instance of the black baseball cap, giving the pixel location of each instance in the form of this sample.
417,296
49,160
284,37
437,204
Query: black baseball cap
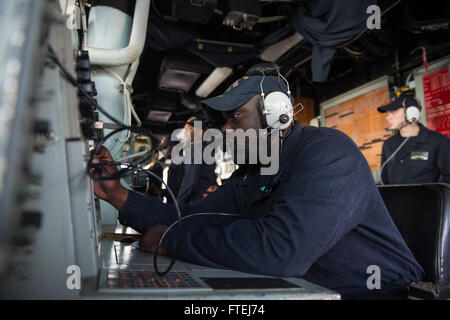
243,89
398,103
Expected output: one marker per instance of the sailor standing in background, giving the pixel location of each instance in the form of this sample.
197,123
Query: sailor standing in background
415,154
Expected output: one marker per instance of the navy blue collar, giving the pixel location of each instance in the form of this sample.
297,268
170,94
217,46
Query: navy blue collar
422,137
423,134
289,148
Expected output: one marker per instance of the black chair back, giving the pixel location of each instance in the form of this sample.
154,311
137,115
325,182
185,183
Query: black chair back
422,215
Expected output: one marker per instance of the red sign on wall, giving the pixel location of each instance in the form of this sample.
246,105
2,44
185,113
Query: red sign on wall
436,90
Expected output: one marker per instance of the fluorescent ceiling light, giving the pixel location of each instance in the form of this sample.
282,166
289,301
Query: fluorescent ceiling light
213,81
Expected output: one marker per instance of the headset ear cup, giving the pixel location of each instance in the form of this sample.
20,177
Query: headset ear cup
278,107
412,114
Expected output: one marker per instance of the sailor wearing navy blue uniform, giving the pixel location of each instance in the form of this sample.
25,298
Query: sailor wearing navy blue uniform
191,182
320,217
423,158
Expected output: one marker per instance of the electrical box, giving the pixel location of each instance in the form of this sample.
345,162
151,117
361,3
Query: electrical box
241,15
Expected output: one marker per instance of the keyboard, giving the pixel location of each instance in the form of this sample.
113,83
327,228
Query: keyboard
119,279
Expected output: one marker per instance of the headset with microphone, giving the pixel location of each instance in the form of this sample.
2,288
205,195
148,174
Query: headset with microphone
275,108
412,111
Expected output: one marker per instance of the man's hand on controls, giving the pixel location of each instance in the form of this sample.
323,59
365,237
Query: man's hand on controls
150,239
110,190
